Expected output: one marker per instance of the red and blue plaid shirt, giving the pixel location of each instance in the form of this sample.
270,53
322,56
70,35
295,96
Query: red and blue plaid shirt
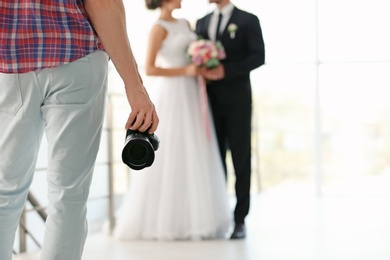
37,34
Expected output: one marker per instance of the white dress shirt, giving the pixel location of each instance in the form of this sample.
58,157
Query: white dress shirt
226,12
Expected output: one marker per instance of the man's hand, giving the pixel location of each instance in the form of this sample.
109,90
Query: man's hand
216,73
108,18
143,114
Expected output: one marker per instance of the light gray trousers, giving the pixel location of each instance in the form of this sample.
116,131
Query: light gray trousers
67,104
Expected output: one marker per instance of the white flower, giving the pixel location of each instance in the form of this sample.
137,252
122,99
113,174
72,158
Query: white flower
232,29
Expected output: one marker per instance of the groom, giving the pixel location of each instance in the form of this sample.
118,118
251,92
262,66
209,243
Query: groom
229,92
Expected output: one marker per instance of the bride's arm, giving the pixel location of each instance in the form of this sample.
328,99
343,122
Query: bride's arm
156,37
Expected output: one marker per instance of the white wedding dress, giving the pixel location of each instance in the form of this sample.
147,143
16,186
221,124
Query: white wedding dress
183,194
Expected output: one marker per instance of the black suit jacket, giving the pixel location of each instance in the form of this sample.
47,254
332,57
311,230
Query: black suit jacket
244,53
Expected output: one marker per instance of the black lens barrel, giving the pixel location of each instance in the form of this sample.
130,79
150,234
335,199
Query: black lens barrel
138,151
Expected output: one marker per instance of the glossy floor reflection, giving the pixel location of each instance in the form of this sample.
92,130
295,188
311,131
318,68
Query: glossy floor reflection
279,228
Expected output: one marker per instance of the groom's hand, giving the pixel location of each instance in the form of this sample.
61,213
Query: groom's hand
216,73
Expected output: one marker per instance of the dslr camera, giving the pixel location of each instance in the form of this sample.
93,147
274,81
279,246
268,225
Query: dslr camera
139,148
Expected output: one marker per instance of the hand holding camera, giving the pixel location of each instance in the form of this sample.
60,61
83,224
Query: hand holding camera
139,148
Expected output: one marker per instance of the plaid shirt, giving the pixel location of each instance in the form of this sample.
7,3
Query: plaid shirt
37,34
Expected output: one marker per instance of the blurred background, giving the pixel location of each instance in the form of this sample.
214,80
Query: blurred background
321,122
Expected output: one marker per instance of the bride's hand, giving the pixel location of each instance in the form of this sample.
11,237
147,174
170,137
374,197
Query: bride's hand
191,70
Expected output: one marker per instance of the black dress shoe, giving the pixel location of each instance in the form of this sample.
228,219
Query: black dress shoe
239,232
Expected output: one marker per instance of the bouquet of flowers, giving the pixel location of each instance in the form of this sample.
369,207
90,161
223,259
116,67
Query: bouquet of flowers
206,53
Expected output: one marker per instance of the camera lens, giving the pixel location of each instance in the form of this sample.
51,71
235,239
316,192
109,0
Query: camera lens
139,152
139,148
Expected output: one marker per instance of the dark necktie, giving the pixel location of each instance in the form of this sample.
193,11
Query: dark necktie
217,34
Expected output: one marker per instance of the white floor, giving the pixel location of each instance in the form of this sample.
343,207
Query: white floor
279,228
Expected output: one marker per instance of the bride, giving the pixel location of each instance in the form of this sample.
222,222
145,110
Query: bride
182,196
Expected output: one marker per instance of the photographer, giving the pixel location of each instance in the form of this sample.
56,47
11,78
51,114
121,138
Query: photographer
53,74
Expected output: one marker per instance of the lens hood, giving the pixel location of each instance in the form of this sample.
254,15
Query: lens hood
138,151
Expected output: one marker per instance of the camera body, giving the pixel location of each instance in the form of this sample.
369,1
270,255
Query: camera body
139,148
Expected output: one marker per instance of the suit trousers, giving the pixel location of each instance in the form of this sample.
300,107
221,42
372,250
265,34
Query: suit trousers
67,104
232,121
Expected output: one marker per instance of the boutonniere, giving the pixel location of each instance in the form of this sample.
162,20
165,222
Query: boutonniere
232,29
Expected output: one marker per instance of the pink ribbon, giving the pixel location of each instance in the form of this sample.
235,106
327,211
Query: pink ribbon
204,105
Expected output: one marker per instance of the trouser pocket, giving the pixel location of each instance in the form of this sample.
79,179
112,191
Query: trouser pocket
11,97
